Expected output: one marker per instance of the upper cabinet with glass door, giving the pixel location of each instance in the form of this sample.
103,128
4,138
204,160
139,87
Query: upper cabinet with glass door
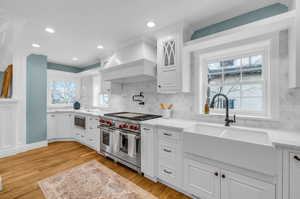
170,72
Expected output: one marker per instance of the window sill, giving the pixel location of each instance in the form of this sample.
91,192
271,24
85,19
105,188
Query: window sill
60,105
102,107
243,117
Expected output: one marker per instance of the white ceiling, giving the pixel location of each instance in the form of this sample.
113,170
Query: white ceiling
81,25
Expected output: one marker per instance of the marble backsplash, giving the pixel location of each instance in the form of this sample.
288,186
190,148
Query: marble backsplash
184,102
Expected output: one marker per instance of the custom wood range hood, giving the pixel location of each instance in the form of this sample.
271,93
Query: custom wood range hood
133,63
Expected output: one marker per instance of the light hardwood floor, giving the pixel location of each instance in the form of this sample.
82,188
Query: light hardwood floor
20,173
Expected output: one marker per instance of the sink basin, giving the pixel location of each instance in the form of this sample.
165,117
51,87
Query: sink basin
207,129
242,147
255,137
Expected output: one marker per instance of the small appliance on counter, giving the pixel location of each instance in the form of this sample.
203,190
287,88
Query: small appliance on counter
76,105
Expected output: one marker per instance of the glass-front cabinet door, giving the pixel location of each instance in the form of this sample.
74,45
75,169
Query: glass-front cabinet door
167,52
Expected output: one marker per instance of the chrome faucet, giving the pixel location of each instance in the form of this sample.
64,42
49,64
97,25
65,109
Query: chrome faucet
212,105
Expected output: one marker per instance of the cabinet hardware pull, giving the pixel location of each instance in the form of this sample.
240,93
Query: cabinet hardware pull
146,129
167,134
297,158
168,172
216,174
223,176
167,150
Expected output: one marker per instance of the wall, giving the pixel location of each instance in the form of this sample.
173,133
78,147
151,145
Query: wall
249,17
184,103
36,99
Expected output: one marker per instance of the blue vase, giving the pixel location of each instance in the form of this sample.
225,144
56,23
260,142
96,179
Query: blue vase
76,105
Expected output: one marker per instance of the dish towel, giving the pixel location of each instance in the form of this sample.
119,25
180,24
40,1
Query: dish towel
131,145
115,141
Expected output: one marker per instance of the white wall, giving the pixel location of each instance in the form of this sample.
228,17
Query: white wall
183,103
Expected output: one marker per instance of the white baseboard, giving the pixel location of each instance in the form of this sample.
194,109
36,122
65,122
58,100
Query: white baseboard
21,148
62,140
36,145
8,152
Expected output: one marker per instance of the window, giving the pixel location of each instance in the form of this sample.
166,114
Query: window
100,99
242,75
240,79
62,92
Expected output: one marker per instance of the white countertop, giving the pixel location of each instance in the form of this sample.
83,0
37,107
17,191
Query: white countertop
279,138
179,124
93,112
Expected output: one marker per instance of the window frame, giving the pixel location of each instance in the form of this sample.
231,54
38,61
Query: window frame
99,93
268,49
63,77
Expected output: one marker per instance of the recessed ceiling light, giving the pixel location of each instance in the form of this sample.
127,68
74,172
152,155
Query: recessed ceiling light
75,59
100,47
50,30
151,24
35,45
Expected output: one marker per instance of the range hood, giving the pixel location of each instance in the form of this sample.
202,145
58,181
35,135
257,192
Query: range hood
133,63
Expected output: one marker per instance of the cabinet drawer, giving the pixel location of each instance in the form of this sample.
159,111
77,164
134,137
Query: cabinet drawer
167,151
168,174
168,134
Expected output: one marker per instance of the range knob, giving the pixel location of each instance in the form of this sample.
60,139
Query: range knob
131,127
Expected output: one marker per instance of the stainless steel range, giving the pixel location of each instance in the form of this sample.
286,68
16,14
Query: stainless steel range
121,137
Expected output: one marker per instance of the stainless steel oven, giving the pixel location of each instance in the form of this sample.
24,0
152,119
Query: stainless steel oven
129,149
121,137
107,144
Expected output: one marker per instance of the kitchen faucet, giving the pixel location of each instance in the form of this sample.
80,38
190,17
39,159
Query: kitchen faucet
212,105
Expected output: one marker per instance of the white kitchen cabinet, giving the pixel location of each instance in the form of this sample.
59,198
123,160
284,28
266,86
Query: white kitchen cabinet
170,156
201,180
59,126
294,176
64,125
92,133
172,76
168,64
51,126
209,182
147,152
79,134
235,186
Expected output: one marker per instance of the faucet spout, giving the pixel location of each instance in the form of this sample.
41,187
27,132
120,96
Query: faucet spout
212,105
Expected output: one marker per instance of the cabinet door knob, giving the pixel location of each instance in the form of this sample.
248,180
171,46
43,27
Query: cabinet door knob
297,158
223,176
159,86
216,174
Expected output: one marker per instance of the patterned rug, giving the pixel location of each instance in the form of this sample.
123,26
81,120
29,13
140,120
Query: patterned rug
91,180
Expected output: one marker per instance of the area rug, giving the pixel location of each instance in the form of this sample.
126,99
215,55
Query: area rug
91,180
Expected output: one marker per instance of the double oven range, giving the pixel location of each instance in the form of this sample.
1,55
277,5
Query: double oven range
121,137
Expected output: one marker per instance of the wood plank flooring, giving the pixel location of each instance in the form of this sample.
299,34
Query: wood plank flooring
20,173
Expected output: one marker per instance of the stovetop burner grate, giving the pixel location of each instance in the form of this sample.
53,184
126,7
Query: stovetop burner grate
133,116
